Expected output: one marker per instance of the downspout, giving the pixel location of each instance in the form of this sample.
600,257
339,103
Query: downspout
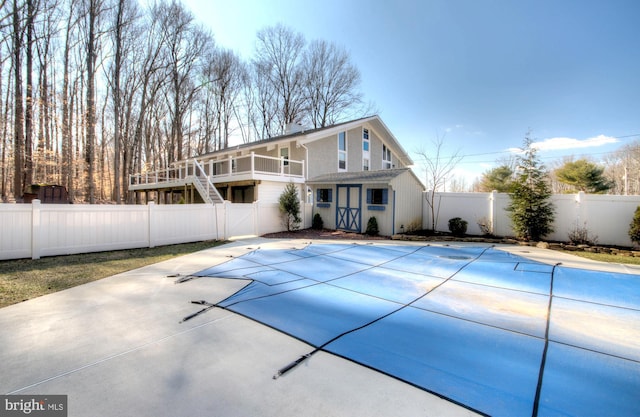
306,174
306,164
393,215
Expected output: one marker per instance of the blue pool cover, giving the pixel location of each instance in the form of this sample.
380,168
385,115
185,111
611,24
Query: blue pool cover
493,332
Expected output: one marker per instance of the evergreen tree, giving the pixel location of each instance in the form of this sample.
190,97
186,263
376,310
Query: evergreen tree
634,227
530,209
584,175
290,207
498,179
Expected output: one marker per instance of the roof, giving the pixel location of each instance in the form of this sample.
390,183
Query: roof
306,136
384,175
281,138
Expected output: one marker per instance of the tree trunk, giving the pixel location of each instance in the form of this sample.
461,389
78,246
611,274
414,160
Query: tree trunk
117,195
18,132
91,104
28,115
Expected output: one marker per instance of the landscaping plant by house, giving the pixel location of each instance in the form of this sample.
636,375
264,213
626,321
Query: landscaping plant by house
372,227
290,207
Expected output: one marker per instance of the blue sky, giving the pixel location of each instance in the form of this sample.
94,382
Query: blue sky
479,73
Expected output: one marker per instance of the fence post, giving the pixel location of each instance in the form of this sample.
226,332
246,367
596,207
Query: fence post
256,218
36,229
580,209
493,218
150,234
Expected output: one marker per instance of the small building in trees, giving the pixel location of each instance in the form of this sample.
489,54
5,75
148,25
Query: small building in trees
349,171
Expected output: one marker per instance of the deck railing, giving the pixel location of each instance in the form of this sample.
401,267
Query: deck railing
250,166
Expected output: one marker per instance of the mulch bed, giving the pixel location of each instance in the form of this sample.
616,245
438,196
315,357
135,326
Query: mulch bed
323,234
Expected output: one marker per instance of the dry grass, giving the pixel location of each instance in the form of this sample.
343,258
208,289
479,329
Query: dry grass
605,257
24,279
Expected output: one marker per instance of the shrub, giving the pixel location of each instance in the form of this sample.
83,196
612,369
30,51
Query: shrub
579,235
290,207
485,226
457,226
317,223
634,227
372,227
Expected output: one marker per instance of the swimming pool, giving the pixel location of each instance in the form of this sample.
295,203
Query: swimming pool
492,331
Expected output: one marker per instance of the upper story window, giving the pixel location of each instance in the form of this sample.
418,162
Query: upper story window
342,151
284,154
365,150
386,157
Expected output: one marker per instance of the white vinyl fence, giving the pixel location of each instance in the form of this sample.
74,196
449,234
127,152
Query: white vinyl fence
606,217
36,230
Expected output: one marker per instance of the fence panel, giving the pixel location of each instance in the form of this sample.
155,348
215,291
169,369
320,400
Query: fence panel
606,216
182,223
68,229
15,231
35,230
609,217
240,219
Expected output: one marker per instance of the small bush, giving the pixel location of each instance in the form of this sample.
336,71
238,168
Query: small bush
317,223
372,227
485,226
457,226
634,227
579,235
413,226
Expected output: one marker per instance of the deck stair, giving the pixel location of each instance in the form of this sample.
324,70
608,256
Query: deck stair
205,187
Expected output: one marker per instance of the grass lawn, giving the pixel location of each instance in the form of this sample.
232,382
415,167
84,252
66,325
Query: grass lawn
605,257
24,279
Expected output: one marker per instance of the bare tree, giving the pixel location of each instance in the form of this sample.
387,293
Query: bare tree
623,167
18,115
278,62
124,17
93,11
46,150
437,169
28,112
331,83
67,154
185,44
224,74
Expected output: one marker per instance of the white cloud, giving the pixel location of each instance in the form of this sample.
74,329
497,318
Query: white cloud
553,144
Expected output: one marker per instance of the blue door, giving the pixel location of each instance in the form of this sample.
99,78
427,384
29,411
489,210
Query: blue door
348,214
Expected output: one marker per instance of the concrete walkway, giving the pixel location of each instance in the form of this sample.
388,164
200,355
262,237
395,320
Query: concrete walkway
116,348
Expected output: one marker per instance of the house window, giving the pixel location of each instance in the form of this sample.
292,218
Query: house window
386,157
377,196
284,154
342,151
365,150
324,195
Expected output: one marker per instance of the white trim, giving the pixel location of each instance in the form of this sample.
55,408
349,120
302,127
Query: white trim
366,154
344,152
384,160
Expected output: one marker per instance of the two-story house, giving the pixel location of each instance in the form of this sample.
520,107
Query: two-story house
350,172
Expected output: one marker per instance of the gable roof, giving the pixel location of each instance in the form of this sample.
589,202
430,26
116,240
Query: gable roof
383,175
307,136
